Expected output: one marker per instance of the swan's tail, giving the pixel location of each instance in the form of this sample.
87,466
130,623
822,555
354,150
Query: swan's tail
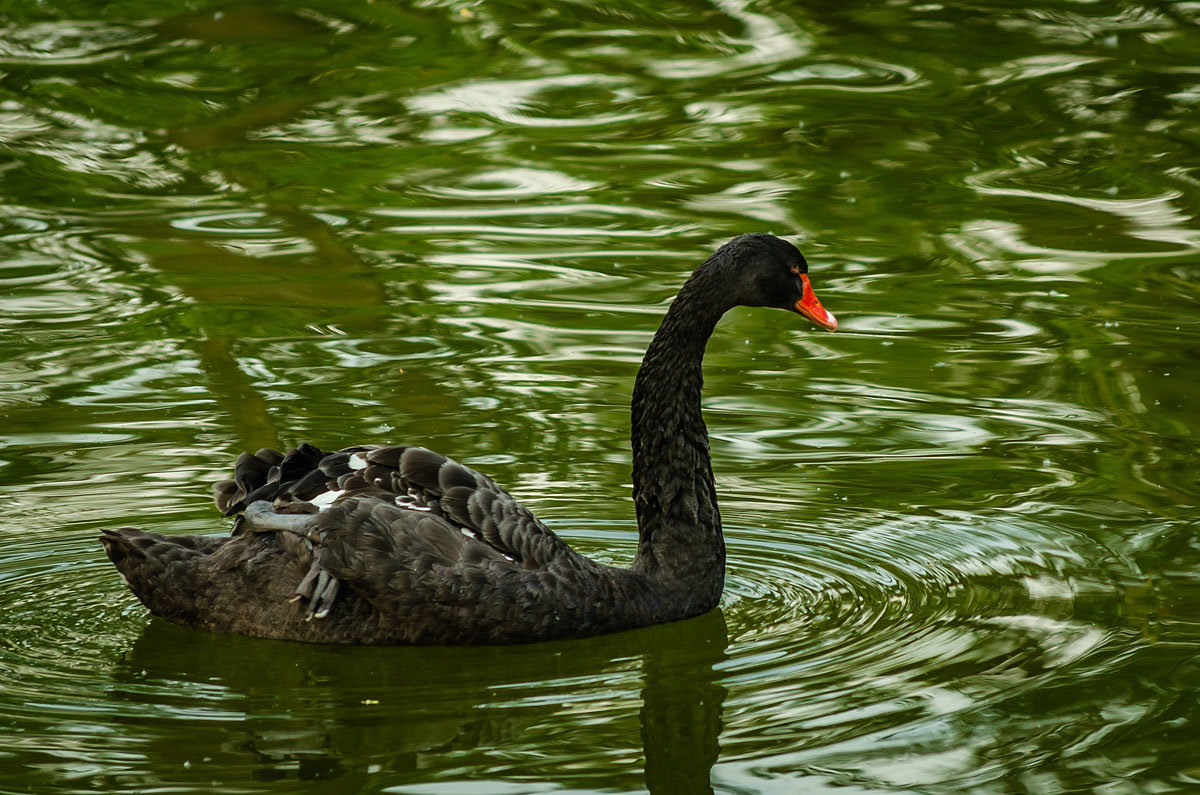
158,569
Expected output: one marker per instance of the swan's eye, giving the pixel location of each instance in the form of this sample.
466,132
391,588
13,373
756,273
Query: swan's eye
795,269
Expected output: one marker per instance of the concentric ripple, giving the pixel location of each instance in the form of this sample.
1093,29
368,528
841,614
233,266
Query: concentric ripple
876,622
863,591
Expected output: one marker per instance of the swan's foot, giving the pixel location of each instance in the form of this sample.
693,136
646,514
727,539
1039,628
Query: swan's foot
326,594
320,588
305,589
260,517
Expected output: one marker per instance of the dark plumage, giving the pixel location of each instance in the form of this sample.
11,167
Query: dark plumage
397,544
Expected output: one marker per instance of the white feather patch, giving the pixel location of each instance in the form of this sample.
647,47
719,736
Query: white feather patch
357,461
408,505
323,501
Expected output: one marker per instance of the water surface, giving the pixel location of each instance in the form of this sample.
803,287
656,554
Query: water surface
962,530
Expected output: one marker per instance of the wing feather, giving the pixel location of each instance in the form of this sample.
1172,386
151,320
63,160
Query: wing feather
416,480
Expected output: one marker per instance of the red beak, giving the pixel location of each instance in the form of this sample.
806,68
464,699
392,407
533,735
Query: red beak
811,308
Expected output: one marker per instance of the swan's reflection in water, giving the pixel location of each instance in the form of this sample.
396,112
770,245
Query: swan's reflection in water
634,710
682,704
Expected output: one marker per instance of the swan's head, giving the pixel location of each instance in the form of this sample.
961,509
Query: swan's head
769,271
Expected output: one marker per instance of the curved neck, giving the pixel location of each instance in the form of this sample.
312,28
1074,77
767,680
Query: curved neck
673,491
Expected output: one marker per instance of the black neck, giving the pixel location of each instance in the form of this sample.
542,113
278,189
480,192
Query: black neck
673,491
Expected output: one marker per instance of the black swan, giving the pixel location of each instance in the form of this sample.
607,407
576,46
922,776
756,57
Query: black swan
399,545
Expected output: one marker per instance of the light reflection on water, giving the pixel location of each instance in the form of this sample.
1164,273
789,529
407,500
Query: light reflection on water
960,529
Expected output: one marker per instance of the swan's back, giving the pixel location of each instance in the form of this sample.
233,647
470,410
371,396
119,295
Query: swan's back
375,545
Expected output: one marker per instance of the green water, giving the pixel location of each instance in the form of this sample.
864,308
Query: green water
962,529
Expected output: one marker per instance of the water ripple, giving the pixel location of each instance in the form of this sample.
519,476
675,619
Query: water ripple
961,530
908,619
853,75
67,43
515,101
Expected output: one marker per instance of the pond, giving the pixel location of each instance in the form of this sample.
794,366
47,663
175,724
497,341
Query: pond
962,529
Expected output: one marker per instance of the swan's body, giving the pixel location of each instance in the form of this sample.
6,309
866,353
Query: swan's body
378,545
